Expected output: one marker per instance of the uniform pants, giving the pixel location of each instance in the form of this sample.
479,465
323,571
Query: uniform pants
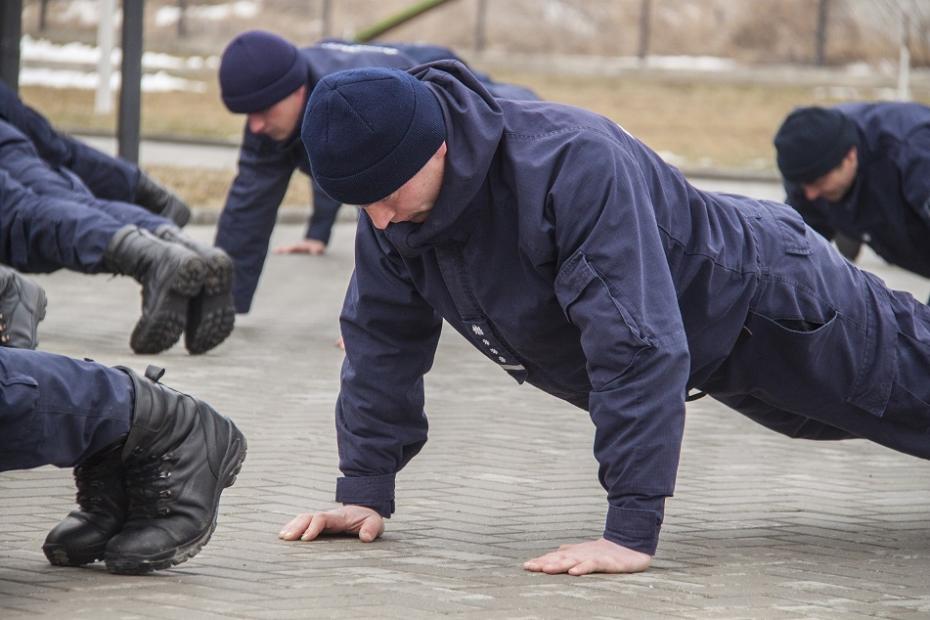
829,352
55,410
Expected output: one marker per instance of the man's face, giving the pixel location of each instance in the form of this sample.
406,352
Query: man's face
834,185
280,121
414,200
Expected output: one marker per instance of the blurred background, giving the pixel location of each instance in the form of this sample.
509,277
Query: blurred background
704,82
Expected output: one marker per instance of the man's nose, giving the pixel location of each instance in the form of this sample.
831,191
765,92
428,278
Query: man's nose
380,215
256,123
811,192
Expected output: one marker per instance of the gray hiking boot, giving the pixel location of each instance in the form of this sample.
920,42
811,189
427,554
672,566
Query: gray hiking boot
170,276
22,306
211,315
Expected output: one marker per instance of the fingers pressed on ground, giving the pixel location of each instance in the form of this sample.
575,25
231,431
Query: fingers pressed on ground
295,527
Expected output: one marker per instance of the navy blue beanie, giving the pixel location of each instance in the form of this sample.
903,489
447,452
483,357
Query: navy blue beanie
259,69
368,131
813,141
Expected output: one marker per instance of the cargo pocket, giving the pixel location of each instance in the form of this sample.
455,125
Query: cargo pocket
610,337
809,366
20,427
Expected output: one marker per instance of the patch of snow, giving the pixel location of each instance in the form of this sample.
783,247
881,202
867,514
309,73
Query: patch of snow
242,9
41,50
692,63
66,78
558,12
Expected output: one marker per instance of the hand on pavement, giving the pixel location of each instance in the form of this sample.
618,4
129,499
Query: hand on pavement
596,556
314,247
347,519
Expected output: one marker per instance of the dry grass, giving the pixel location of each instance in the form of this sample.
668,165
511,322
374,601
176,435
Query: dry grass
699,123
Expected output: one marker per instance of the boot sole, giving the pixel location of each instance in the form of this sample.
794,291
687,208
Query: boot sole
141,565
211,315
162,328
60,555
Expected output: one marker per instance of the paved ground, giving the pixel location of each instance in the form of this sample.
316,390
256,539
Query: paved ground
761,527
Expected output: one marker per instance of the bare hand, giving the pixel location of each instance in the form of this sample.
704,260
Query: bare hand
313,247
596,556
348,519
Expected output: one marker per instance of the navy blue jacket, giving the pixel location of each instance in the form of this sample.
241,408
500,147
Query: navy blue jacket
107,177
578,261
888,206
265,165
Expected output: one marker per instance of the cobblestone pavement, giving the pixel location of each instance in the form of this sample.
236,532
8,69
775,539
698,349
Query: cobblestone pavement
761,526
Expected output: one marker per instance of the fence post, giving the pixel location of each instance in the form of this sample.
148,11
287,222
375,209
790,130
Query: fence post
11,30
645,23
182,19
821,43
904,58
481,21
326,18
43,15
130,99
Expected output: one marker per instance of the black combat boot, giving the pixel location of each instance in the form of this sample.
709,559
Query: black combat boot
179,456
22,306
82,536
170,276
151,196
211,315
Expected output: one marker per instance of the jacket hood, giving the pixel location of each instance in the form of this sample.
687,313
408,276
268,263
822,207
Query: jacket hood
474,126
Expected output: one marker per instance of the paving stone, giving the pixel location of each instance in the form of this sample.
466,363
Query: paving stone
761,526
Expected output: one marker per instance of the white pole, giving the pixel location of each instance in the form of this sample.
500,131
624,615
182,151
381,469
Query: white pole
103,104
904,59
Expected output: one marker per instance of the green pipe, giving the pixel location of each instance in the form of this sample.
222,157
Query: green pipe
399,18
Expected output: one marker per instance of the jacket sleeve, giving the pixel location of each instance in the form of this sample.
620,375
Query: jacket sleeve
813,217
245,225
615,285
915,168
390,335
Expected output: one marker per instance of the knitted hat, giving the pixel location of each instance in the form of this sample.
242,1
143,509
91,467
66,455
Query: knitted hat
368,131
259,69
812,142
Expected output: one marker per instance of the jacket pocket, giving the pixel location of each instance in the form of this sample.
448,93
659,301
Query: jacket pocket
610,338
807,366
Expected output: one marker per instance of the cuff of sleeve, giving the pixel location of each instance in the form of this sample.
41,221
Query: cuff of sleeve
375,492
634,529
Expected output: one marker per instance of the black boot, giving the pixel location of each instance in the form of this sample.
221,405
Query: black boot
211,315
161,201
22,306
179,456
82,536
170,276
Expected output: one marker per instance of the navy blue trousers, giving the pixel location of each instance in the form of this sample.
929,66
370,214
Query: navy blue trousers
55,410
40,233
852,373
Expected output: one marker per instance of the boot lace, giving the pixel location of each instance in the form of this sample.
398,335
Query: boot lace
148,484
95,483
